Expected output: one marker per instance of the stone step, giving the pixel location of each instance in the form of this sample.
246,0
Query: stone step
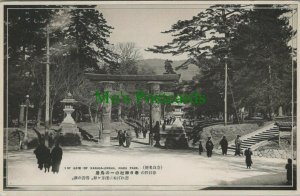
248,142
251,140
268,133
258,137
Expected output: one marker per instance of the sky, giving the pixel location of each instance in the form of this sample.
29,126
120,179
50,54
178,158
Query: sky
144,25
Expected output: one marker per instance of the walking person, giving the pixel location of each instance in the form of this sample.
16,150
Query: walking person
136,130
123,136
42,155
145,131
209,147
56,157
248,154
224,145
156,131
47,163
289,171
200,147
128,139
238,143
120,137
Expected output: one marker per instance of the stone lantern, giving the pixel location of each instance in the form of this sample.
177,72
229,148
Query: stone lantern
68,125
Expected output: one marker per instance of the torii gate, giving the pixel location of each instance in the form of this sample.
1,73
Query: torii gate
107,80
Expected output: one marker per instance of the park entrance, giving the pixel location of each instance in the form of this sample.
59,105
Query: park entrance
106,81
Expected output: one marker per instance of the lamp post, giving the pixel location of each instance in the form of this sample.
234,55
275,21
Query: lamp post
225,93
25,140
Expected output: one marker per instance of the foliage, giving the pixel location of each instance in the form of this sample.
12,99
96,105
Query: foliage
78,42
253,41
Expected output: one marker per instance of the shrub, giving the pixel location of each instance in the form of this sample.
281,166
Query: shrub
70,139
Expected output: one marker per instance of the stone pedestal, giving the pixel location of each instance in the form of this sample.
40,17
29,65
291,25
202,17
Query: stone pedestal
156,109
21,116
105,137
68,125
69,131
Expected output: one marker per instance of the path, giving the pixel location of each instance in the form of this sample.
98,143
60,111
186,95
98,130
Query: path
181,169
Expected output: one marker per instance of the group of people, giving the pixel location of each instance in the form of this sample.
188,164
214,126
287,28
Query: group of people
47,159
124,138
169,120
144,130
224,146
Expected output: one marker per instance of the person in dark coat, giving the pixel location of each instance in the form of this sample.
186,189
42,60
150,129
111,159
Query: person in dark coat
164,126
128,139
136,130
200,148
156,131
238,143
47,163
248,154
145,129
42,154
289,171
56,157
224,145
123,136
120,137
209,147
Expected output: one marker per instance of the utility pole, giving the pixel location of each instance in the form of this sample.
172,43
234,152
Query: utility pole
225,58
47,88
225,94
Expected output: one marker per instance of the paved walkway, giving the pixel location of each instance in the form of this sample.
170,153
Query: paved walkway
181,169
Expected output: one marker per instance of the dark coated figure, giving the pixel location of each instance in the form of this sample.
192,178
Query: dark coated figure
224,145
127,139
42,154
289,171
56,157
248,154
123,136
144,132
120,137
156,131
136,130
209,147
200,148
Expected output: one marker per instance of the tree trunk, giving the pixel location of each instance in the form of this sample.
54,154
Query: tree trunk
96,118
271,109
39,116
90,114
50,116
119,112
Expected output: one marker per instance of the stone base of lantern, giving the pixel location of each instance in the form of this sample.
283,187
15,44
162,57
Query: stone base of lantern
70,135
105,138
69,128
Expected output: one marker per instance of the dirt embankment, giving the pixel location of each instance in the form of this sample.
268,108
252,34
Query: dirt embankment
216,132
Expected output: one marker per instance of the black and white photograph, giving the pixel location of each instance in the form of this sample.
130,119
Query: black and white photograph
149,97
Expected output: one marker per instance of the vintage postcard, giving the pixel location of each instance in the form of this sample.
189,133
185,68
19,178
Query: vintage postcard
149,98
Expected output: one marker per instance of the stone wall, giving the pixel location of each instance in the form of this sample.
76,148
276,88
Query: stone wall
275,153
